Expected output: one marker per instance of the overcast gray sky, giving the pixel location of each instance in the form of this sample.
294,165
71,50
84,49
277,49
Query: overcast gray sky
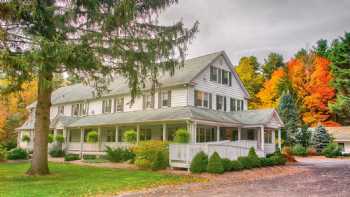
257,27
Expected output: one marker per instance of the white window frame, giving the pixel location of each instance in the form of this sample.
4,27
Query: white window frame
119,104
107,106
222,104
204,97
60,110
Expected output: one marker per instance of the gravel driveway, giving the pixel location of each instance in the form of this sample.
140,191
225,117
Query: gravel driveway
318,177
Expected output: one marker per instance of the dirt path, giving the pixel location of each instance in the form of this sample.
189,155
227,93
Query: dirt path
310,177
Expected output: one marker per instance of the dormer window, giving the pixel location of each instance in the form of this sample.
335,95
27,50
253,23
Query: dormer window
213,74
107,106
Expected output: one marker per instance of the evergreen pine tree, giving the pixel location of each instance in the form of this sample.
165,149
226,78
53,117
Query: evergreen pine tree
303,136
290,116
320,138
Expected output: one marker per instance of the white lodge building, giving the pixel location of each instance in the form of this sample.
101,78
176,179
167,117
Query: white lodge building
205,96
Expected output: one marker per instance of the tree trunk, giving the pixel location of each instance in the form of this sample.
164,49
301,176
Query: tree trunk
42,122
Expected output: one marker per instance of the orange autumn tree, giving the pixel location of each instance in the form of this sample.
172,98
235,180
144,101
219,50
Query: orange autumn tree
269,95
310,77
320,94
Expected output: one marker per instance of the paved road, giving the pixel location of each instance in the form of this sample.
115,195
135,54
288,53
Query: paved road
320,178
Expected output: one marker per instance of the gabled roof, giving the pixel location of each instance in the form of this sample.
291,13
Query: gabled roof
339,133
257,117
183,75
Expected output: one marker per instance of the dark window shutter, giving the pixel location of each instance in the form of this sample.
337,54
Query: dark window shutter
224,103
242,105
230,78
144,102
152,101
169,97
159,99
219,75
211,73
210,101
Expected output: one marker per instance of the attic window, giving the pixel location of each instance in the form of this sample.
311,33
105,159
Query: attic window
213,73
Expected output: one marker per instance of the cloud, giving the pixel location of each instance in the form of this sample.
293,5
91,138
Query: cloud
257,27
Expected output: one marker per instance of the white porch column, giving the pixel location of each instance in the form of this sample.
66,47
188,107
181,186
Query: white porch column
99,134
138,133
217,133
239,133
279,139
117,134
262,137
81,142
164,132
192,129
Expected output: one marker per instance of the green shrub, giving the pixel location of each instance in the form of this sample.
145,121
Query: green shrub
3,154
151,150
17,153
236,165
92,137
71,157
246,162
59,138
89,157
227,164
254,159
56,152
26,138
130,136
8,144
199,163
215,164
331,150
182,136
278,160
266,161
299,150
119,154
50,138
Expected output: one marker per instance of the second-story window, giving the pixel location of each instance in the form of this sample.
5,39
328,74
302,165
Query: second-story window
233,104
119,104
202,99
240,105
225,77
213,73
61,110
107,106
148,101
165,99
79,109
220,103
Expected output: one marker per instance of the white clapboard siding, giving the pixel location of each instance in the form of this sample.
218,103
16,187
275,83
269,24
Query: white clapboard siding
203,83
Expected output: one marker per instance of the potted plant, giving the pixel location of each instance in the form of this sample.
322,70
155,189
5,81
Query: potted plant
26,138
130,136
92,137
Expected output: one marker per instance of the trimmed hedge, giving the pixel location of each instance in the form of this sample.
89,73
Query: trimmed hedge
265,162
236,165
245,162
119,154
254,159
199,163
215,164
71,157
89,157
56,152
17,153
227,164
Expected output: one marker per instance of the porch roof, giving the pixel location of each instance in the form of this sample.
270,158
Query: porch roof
243,118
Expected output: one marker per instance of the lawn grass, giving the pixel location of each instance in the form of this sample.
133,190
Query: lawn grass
74,180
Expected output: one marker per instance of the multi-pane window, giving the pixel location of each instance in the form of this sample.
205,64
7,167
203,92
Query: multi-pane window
202,99
79,109
250,134
225,77
206,134
232,104
145,134
107,106
108,134
239,105
165,99
61,109
213,73
220,103
148,101
268,137
119,104
220,76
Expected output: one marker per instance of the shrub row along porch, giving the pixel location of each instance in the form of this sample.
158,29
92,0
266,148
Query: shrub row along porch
245,129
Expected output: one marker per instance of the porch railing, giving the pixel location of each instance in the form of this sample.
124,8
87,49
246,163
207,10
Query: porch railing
181,155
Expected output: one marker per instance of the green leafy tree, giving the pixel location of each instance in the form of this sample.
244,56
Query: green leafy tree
340,68
98,40
289,113
248,71
321,48
272,63
320,138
